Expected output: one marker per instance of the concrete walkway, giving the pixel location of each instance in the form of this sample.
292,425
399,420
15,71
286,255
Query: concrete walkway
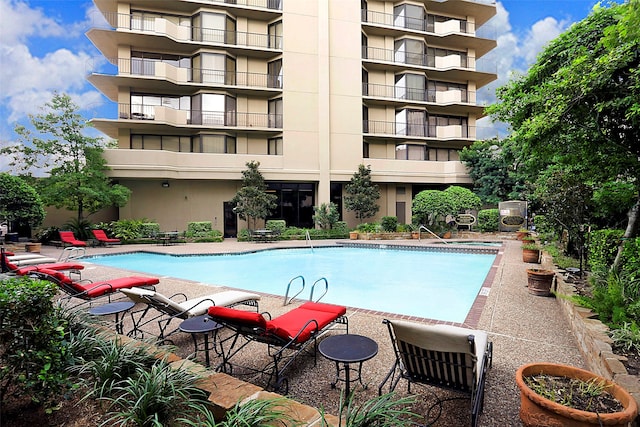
524,328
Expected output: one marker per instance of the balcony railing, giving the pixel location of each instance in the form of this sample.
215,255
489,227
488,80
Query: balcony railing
406,23
158,25
208,118
423,60
265,4
159,69
423,95
418,129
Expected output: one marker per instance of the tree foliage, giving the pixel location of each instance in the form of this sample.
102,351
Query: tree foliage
463,199
362,194
252,202
71,162
326,215
19,202
430,207
578,107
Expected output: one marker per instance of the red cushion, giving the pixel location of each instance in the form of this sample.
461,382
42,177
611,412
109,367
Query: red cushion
97,289
21,271
307,319
57,275
239,317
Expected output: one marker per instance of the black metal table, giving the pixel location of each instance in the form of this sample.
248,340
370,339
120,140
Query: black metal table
117,308
347,349
201,325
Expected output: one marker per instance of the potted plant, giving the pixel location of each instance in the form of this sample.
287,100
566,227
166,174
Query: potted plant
554,394
539,281
520,234
531,253
353,235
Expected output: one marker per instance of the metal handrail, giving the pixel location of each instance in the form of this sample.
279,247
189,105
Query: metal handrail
71,252
288,300
429,231
326,289
307,238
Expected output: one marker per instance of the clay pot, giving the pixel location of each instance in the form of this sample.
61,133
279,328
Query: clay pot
538,411
531,256
353,235
521,234
539,281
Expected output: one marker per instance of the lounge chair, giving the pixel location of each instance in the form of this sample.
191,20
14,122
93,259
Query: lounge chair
170,308
102,238
8,266
440,355
89,291
68,238
287,335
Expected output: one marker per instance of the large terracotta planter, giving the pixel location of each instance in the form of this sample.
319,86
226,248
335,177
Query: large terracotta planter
353,235
531,255
538,411
539,281
521,234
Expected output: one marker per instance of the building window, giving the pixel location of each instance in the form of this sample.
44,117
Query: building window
274,68
143,106
214,109
161,142
275,113
274,146
411,122
410,86
409,16
275,35
214,28
213,68
219,144
410,152
365,150
410,51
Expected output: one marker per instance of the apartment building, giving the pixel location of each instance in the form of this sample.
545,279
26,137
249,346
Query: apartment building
309,88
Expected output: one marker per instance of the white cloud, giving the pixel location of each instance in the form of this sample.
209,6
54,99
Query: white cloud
29,81
514,54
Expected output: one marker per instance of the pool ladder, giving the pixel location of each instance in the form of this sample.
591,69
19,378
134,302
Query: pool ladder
288,300
307,237
422,227
71,252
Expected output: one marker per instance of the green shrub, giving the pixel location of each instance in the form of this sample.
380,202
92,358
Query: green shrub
366,227
132,229
389,223
631,258
543,225
326,215
215,236
612,298
199,229
276,225
48,234
33,349
148,229
81,228
603,249
488,220
341,227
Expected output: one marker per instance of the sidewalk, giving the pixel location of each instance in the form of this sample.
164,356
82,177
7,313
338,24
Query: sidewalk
524,328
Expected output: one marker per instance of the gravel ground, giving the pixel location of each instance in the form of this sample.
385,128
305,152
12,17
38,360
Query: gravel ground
523,328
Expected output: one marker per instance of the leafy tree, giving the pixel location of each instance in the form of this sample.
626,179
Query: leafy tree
19,202
430,207
326,215
578,107
72,162
492,167
362,194
252,202
463,198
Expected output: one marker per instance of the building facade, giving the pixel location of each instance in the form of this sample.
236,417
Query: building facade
309,88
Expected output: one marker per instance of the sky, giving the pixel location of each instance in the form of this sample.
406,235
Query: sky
43,49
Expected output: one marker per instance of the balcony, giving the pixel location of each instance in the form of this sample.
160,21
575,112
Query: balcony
419,130
452,25
214,119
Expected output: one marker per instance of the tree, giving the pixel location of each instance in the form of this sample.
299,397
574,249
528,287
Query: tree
578,107
72,162
326,215
432,206
19,202
463,199
362,194
252,202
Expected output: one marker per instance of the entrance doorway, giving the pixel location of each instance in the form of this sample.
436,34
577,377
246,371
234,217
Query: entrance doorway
230,220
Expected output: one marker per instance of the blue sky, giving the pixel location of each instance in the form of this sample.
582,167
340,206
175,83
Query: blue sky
43,49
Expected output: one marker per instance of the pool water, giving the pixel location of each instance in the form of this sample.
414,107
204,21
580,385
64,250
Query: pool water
428,284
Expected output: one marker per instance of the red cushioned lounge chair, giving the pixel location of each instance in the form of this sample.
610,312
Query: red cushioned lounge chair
68,238
89,291
102,238
286,335
7,266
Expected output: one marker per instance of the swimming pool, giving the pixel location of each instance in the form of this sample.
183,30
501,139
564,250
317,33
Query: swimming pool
429,284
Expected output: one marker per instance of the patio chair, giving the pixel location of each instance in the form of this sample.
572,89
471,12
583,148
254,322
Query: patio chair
87,290
103,240
444,356
170,308
68,238
286,336
22,264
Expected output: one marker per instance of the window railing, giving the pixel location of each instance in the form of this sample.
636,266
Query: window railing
158,25
451,25
265,4
160,69
196,117
452,131
453,95
453,60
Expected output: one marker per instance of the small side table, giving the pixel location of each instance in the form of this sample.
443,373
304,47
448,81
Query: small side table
347,349
117,308
201,325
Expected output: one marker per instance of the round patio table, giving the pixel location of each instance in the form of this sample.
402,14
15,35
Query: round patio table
117,308
201,325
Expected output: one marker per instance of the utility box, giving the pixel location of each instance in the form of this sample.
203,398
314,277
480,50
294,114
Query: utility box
513,215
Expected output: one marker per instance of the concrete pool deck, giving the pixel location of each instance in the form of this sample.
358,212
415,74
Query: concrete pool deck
523,328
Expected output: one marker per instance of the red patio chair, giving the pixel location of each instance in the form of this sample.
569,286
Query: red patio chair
68,238
102,238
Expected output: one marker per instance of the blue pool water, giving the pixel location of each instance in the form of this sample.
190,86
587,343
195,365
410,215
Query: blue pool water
435,285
